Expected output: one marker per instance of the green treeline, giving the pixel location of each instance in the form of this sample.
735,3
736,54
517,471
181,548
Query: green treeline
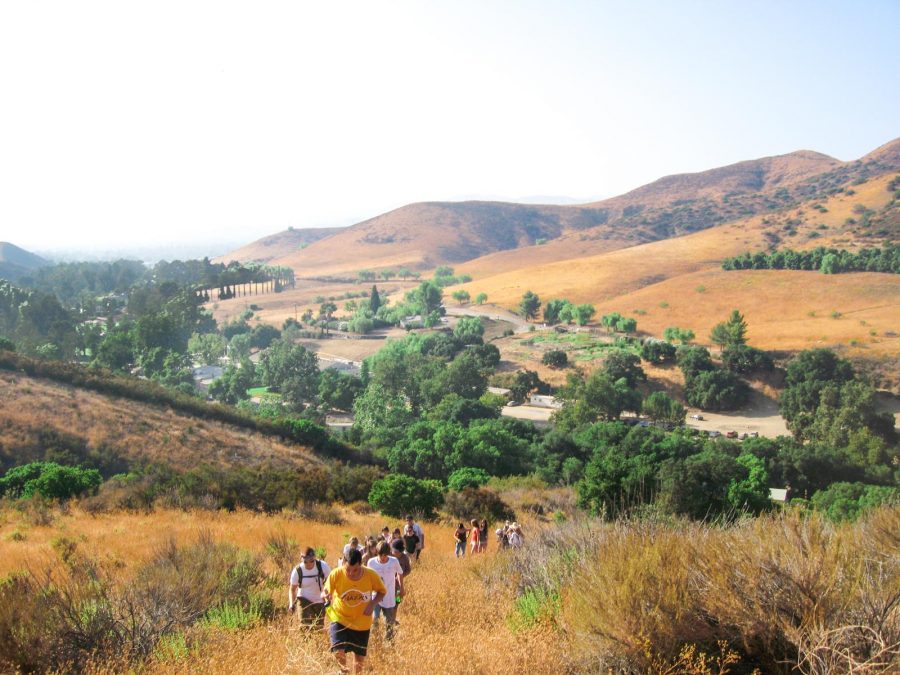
821,259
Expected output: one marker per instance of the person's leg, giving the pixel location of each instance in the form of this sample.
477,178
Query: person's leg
359,663
341,657
390,619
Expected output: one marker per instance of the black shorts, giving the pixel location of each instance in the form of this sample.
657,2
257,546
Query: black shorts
349,640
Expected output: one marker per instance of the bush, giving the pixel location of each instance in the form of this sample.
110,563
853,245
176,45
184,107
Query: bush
555,358
847,501
744,359
50,480
716,390
656,351
478,503
467,477
398,494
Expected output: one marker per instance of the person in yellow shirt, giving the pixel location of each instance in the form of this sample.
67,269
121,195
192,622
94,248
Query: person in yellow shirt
351,594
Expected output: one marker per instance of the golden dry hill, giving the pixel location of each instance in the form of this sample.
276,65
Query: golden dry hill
422,236
279,244
38,415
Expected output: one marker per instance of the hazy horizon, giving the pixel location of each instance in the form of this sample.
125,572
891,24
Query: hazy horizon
196,124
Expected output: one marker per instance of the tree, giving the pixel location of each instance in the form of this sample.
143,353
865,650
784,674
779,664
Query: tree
555,358
609,321
374,299
263,335
598,398
552,309
481,298
469,330
584,313
683,335
744,359
716,390
530,305
427,299
730,333
338,391
467,477
657,351
234,383
622,364
398,495
461,296
626,325
292,370
50,480
660,407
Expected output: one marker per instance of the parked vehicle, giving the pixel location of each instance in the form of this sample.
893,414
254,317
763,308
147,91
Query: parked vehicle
731,434
743,435
715,434
754,434
696,417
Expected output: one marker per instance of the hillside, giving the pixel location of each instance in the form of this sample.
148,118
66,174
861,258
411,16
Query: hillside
38,415
422,236
16,262
278,245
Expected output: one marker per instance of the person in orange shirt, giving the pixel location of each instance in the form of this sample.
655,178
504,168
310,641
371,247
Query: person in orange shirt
351,594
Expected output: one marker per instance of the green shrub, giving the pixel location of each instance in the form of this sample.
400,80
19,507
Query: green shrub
467,477
555,358
398,494
50,480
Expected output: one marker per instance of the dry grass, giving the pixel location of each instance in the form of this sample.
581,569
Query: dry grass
30,407
633,597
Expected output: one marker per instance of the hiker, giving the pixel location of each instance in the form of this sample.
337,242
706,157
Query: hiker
411,542
516,540
483,535
502,537
396,535
461,535
419,533
475,536
307,580
353,591
353,544
370,551
386,534
401,557
391,573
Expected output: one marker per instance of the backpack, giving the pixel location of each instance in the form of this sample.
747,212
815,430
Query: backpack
319,573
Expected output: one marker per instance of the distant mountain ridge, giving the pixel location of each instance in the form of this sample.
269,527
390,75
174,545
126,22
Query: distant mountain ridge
15,262
423,235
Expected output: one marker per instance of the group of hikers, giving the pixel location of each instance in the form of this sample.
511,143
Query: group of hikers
508,536
369,581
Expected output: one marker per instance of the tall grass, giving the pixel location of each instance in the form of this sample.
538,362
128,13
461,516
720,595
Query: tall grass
785,592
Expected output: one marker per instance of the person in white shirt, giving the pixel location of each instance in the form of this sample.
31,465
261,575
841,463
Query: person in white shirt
391,573
307,580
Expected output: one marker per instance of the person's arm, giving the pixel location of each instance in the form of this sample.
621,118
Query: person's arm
399,578
380,592
293,589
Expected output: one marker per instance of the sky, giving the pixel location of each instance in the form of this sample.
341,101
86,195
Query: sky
209,123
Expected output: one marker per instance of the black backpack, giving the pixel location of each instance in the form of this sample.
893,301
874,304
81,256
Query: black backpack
319,576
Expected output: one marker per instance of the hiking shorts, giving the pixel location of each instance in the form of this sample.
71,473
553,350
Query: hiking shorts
312,613
349,640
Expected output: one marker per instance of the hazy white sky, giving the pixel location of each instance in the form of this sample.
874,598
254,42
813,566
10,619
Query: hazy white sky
125,123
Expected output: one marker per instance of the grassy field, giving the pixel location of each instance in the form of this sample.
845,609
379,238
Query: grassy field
584,596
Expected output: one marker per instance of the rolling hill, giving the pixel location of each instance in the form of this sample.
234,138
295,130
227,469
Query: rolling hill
279,244
15,262
39,415
422,236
